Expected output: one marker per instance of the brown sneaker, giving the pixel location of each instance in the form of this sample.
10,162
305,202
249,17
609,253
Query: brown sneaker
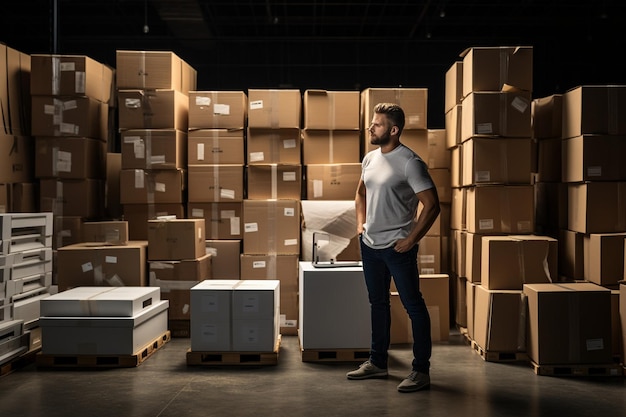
367,370
416,381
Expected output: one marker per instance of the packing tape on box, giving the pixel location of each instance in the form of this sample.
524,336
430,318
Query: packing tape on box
56,75
331,146
148,148
146,106
272,227
215,220
274,181
274,109
216,183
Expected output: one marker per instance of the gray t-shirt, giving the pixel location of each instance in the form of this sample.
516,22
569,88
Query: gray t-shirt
391,181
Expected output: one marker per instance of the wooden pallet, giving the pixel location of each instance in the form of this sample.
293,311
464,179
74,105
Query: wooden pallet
491,356
103,361
609,369
234,358
335,355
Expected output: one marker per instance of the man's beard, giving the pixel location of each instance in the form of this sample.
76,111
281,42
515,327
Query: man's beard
381,140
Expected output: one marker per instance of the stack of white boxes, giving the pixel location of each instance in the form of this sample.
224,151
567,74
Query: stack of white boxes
102,320
235,315
25,276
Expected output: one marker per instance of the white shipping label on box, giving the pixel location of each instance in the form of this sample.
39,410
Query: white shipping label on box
64,161
289,143
520,104
79,82
86,267
139,181
200,151
257,156
484,128
226,193
291,242
197,212
235,229
289,212
289,176
485,224
203,101
251,227
110,259
258,264
256,104
221,109
160,187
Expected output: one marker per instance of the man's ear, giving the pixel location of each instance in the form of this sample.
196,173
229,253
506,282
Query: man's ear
394,130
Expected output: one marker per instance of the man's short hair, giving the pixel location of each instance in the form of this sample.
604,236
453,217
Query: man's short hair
394,113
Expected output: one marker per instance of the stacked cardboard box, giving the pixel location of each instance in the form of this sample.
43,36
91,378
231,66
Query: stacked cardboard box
177,261
331,144
152,92
25,267
102,321
17,185
235,315
70,96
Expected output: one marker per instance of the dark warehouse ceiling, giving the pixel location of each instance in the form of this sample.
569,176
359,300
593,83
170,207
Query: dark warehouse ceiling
239,44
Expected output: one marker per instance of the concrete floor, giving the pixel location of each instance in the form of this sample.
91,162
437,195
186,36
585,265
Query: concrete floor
463,384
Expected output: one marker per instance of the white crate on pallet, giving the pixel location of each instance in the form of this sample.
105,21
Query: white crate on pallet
27,263
37,282
101,301
24,231
26,306
13,340
103,335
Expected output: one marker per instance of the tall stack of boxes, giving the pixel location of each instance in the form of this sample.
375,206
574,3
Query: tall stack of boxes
25,277
17,185
272,211
216,163
152,92
70,108
177,261
493,199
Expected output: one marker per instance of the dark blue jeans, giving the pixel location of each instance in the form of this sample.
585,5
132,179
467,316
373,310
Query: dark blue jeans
379,265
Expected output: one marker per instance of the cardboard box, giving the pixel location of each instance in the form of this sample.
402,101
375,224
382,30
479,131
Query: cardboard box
496,161
272,181
72,197
594,158
460,302
505,114
569,323
138,215
596,207
616,330
271,226
216,146
152,109
332,181
153,149
67,231
225,254
154,70
274,146
222,220
17,155
274,109
83,264
458,209
331,110
165,273
453,86
103,335
70,75
216,183
69,116
217,109
435,289
456,168
15,105
550,207
429,255
176,239
499,320
453,123
622,315
113,207
514,213
438,156
109,232
325,322
285,269
211,315
604,258
140,186
549,160
594,109
509,262
330,146
547,117
497,68
412,100
473,256
571,255
70,157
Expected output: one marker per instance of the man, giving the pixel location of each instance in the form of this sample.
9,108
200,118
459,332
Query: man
394,180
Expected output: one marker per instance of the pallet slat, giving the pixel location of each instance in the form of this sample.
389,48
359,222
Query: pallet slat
103,361
491,356
234,358
609,369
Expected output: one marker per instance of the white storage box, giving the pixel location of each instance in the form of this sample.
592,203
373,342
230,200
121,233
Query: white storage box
334,308
26,306
210,323
17,286
103,335
101,301
24,231
255,315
